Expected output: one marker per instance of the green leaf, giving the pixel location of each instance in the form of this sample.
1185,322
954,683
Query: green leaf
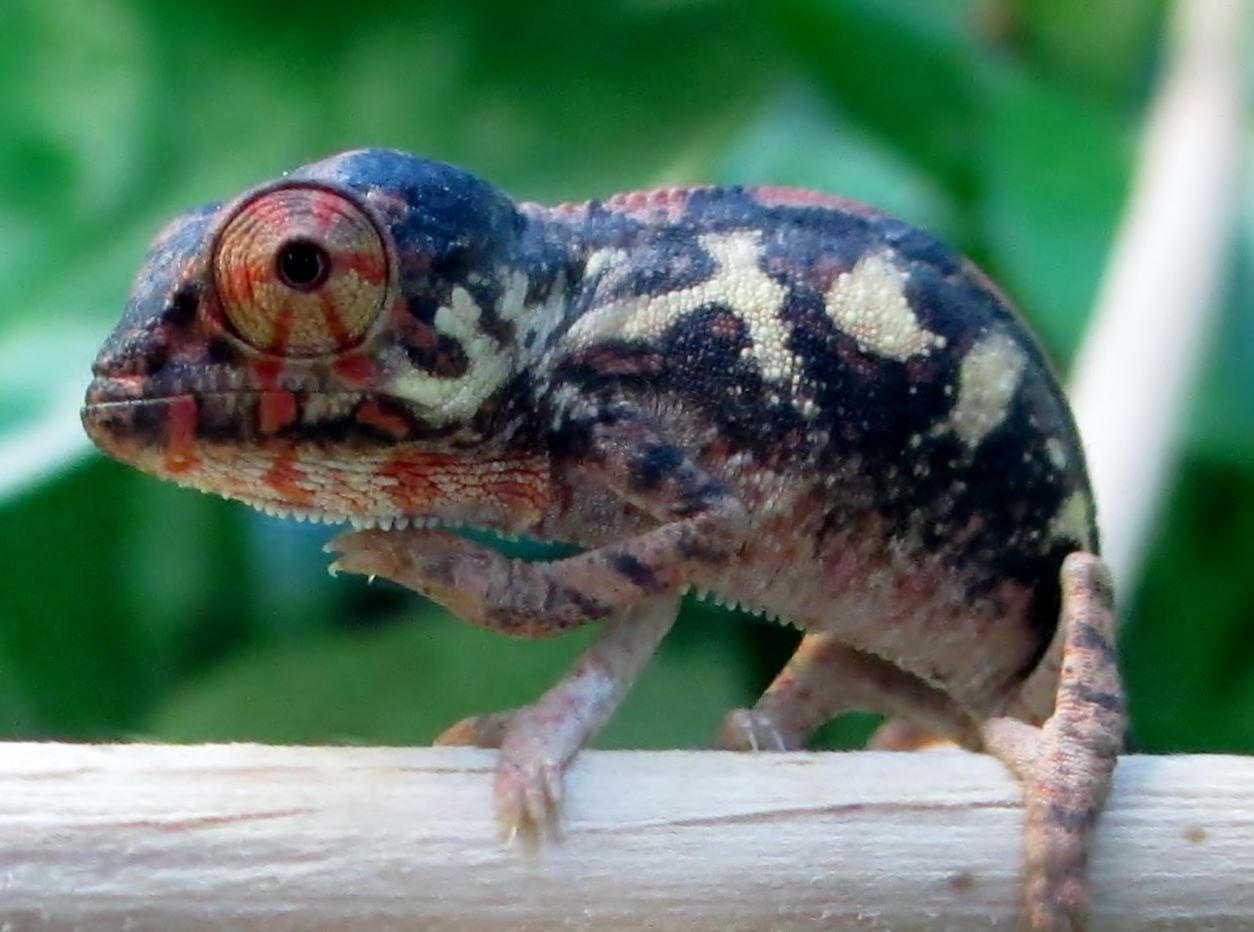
1100,49
1220,423
1188,655
910,71
796,141
1054,172
405,683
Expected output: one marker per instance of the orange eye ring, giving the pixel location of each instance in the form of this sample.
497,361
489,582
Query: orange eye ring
300,271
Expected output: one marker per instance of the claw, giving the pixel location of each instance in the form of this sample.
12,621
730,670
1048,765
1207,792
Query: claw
750,730
528,801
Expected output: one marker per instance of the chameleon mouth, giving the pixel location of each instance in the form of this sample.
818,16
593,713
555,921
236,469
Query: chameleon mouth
334,459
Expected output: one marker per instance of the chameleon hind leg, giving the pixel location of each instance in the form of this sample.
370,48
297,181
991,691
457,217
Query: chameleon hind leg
825,678
1065,765
538,742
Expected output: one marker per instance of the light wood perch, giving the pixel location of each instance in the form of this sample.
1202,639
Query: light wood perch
251,838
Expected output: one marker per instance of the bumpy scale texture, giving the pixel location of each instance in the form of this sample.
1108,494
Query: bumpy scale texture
785,399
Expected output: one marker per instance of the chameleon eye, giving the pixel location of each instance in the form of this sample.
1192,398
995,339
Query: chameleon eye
300,271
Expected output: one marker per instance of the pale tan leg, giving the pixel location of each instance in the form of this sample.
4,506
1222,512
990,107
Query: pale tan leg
539,741
1065,766
825,678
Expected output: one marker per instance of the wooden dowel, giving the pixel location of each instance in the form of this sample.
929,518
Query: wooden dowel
172,838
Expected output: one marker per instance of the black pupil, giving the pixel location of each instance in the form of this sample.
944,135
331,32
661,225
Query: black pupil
303,265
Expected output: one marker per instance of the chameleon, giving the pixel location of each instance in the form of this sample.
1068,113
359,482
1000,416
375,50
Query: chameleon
785,399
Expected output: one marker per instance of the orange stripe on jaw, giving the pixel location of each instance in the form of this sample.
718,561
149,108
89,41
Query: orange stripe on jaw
372,413
288,482
357,369
180,452
276,410
267,372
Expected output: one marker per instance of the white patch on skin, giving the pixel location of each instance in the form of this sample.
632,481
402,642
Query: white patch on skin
449,400
1057,453
987,380
489,364
738,283
606,266
869,303
1071,522
538,321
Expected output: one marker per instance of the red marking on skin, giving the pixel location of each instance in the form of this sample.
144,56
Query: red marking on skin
267,372
326,208
356,369
399,312
180,451
372,413
334,323
287,481
775,196
414,489
370,264
519,487
668,202
655,199
276,410
281,329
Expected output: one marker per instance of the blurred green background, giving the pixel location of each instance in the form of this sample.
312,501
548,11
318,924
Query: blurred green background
132,609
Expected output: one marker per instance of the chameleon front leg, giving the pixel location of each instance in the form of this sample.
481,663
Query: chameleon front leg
701,525
539,741
1066,765
632,584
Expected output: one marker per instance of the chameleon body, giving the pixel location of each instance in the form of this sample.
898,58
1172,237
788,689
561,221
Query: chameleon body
786,399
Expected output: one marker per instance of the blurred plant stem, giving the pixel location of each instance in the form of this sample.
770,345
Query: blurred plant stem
1158,298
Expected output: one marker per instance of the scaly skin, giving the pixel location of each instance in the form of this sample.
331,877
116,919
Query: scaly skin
786,399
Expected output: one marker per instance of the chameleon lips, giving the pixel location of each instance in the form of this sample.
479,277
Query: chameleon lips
301,271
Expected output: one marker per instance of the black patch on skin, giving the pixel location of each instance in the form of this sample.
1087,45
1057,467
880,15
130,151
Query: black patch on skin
691,546
697,500
1088,637
595,226
426,298
1079,821
917,246
513,415
589,607
795,255
655,466
487,291
1109,701
220,351
446,359
669,260
635,572
184,302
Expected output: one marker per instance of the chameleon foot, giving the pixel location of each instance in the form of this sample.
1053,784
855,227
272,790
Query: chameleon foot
528,789
538,742
1066,765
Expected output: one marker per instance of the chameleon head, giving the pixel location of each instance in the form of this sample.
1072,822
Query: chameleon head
338,345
